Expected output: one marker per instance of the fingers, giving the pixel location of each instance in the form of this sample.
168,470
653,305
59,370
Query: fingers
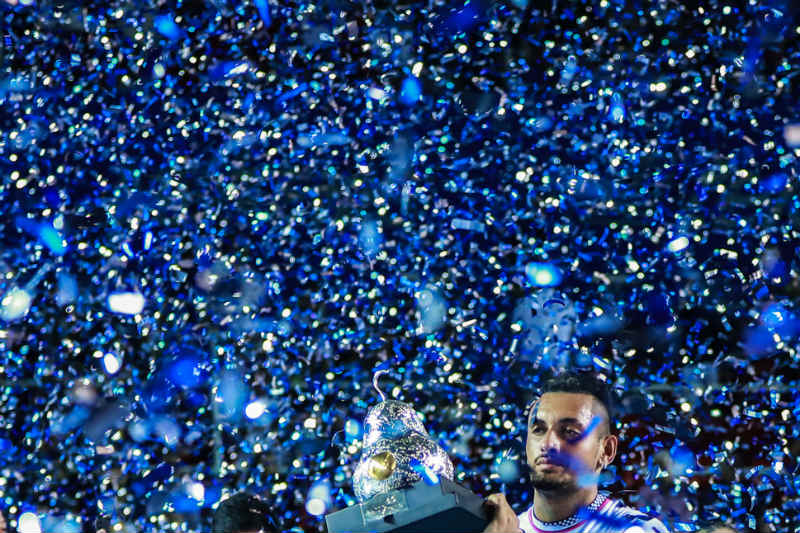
504,519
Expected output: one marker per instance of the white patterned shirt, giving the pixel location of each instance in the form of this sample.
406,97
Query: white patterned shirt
603,515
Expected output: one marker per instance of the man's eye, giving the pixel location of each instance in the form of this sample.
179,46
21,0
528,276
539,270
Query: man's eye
572,434
537,430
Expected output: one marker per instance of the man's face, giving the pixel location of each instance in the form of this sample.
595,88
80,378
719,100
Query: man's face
568,442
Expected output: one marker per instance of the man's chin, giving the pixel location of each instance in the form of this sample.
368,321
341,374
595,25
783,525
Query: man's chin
552,483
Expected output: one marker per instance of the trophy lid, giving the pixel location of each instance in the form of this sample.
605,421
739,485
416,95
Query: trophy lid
390,419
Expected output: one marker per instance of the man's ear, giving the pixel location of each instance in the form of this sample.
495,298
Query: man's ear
608,450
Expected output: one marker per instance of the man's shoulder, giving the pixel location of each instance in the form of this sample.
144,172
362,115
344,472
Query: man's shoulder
611,516
635,521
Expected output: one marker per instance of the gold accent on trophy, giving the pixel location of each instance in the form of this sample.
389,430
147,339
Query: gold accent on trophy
381,465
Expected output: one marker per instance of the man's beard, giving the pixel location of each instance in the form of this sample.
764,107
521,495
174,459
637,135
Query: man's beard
549,484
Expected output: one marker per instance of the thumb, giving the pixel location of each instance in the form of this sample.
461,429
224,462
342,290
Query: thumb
495,499
498,498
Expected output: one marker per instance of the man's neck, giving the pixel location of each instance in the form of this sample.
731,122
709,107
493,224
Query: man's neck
549,506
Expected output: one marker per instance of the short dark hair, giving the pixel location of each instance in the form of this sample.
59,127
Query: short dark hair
583,383
243,512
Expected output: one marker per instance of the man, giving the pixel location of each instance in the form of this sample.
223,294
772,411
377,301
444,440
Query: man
243,513
569,443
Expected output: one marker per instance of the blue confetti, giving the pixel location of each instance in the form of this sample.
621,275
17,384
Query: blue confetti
167,27
263,11
222,220
410,91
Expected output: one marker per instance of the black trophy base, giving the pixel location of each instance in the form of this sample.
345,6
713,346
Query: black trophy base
444,507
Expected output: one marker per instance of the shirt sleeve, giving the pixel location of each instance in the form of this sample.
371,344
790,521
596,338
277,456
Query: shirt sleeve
652,525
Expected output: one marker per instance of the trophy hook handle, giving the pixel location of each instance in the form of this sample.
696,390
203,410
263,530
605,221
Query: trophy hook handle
375,378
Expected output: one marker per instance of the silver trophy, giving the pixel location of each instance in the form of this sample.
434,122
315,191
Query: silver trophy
404,481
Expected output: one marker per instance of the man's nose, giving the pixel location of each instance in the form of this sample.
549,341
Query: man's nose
551,441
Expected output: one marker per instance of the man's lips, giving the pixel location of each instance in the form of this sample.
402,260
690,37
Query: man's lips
549,462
